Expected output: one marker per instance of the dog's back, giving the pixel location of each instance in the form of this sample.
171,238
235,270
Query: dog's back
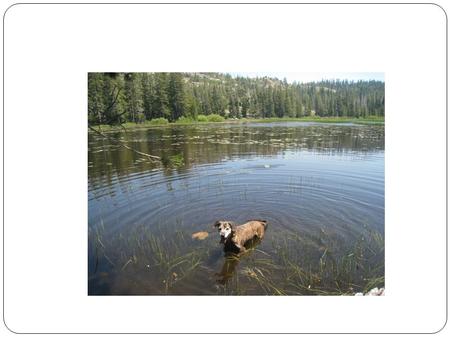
262,221
252,228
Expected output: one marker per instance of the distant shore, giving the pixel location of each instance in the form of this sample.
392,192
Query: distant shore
164,123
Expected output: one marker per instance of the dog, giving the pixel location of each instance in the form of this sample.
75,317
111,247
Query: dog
234,237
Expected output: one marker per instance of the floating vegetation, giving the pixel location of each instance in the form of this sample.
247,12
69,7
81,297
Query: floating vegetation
201,235
173,161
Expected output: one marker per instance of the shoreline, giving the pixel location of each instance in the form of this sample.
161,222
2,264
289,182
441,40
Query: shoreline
149,124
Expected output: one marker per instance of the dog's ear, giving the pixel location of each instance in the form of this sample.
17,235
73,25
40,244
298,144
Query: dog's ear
216,224
232,225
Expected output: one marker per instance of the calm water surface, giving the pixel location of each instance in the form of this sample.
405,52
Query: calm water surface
320,187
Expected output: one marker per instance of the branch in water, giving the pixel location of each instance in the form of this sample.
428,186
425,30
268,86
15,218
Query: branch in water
153,157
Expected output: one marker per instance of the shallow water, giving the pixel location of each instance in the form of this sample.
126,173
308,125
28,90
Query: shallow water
319,186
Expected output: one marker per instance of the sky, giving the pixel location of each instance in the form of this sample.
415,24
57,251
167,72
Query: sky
309,77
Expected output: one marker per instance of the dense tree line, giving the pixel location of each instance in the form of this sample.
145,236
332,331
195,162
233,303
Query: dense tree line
120,97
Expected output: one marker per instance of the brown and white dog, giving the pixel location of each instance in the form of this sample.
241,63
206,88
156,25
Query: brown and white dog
235,236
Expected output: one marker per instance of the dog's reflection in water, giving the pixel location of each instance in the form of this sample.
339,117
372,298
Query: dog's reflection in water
231,261
229,266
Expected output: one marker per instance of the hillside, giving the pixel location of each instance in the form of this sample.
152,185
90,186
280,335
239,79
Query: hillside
136,97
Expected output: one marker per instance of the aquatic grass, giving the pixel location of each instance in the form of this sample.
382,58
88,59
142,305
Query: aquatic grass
318,268
372,283
142,250
264,281
97,247
169,257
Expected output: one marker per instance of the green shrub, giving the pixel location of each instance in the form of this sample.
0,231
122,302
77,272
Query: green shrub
202,118
215,118
184,119
159,120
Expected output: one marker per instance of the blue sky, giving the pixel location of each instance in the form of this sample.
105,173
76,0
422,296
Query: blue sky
308,77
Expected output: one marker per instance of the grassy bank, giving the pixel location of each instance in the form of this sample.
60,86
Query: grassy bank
368,120
186,121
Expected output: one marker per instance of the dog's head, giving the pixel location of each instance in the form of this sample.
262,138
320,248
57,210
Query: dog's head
225,228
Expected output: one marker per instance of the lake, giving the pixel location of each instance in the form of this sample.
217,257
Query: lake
320,187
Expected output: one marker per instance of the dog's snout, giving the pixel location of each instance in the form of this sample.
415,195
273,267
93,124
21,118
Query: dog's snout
225,232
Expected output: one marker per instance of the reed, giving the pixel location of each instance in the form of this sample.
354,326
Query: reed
295,264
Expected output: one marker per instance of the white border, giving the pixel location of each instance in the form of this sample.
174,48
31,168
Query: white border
48,52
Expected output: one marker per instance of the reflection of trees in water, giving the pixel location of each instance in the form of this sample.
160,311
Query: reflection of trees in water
203,144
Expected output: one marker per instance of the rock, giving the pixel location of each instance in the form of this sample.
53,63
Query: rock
373,292
376,292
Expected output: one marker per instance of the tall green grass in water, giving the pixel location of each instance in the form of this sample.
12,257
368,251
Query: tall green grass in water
296,264
167,260
303,264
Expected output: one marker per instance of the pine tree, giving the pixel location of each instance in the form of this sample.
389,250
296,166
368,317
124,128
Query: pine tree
176,96
133,97
192,105
147,95
161,100
95,98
